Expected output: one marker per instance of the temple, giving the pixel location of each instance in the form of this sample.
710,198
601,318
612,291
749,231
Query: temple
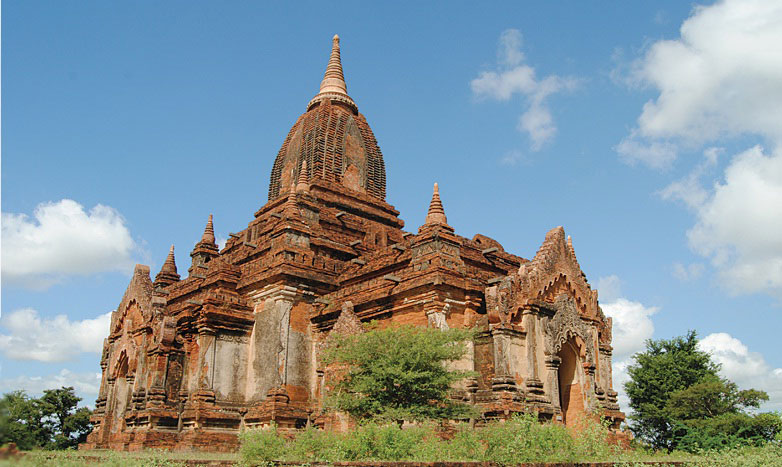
191,361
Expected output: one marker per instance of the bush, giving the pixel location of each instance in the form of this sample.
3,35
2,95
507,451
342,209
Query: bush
263,444
521,439
398,373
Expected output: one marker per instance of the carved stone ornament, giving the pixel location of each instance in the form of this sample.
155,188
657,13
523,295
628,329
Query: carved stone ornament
567,323
500,300
438,318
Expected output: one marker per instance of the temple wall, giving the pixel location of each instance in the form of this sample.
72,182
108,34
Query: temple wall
230,367
297,378
269,341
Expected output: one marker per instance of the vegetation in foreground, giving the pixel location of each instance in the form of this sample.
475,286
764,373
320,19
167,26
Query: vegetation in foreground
522,439
148,458
683,412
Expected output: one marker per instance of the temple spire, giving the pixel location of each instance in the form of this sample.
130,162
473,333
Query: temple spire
334,79
170,265
209,233
436,214
204,251
168,273
333,87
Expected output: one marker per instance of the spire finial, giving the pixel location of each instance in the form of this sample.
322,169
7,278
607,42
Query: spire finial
302,185
209,232
170,264
334,79
333,85
436,214
168,273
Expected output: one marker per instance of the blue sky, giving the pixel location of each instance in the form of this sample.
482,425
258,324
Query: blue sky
651,131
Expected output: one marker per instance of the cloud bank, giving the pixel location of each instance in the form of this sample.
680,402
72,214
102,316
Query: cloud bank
632,326
63,239
87,383
721,79
50,340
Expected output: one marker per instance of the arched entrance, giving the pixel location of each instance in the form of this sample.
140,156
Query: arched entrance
571,396
120,392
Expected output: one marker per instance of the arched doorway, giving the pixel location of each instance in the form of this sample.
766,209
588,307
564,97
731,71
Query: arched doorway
120,392
571,396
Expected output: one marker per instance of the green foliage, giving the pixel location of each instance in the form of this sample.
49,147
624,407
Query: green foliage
712,397
262,444
374,441
681,403
665,367
768,455
49,422
398,373
522,439
728,430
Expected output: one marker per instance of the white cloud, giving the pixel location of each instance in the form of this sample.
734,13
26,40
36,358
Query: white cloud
687,273
738,223
721,78
85,384
509,52
513,158
62,239
746,368
632,326
655,154
515,77
51,340
689,189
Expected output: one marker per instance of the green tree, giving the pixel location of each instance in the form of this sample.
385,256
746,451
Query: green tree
22,421
679,401
712,397
665,367
714,414
52,421
398,373
70,424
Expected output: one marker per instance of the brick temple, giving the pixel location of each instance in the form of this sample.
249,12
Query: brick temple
191,361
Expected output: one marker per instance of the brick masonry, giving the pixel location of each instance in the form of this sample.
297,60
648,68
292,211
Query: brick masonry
189,362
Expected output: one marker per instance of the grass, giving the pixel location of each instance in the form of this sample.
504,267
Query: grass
522,439
151,458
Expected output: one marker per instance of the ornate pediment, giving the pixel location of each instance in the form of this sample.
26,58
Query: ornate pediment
567,323
555,271
137,301
130,319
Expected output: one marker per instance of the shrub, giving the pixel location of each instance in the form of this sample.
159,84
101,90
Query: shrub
262,444
525,439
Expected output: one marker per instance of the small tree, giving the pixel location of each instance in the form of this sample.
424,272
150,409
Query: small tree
714,413
21,421
398,373
679,402
665,367
50,422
